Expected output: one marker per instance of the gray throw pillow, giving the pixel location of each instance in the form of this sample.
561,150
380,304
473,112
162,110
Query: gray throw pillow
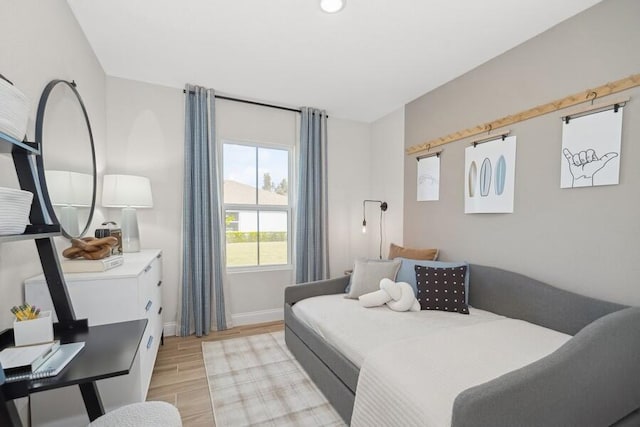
367,274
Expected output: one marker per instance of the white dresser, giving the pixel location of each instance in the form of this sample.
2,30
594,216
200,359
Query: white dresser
130,291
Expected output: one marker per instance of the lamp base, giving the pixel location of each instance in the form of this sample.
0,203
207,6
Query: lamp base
69,220
130,231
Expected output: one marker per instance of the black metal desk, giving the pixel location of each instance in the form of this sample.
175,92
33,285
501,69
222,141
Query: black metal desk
109,351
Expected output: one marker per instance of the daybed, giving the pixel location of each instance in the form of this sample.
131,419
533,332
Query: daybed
593,379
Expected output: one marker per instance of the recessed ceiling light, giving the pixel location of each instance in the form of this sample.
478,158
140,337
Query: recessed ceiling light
332,6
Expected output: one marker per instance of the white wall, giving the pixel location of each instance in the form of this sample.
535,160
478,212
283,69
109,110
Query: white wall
387,182
42,41
145,137
349,151
257,296
145,133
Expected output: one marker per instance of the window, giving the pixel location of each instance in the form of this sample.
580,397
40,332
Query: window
257,204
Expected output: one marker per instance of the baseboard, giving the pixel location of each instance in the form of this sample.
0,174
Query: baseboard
249,318
170,329
261,316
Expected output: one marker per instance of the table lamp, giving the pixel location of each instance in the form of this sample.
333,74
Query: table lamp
127,192
69,190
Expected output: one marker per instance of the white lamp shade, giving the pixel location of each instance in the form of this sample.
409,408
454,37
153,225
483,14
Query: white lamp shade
67,188
121,191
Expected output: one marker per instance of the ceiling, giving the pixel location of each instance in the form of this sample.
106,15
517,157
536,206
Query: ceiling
360,64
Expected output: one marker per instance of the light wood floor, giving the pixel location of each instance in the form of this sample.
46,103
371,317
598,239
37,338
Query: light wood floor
179,376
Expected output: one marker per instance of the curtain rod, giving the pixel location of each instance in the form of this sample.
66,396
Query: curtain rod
246,101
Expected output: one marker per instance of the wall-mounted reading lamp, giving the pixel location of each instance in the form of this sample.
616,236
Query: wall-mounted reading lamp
383,208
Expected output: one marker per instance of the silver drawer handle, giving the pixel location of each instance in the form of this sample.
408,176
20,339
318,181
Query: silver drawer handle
146,270
149,341
148,306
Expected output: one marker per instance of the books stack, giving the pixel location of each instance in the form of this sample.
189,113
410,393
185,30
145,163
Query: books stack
91,265
37,361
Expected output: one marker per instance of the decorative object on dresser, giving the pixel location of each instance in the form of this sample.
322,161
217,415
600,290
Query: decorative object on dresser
131,291
90,248
127,192
113,230
79,265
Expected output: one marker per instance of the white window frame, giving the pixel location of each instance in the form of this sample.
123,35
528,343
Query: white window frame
258,207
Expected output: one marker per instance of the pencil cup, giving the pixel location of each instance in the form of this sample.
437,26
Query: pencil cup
35,331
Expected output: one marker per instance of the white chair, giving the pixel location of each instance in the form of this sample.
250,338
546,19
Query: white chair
143,414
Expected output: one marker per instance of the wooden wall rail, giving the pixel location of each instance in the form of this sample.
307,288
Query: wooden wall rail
569,101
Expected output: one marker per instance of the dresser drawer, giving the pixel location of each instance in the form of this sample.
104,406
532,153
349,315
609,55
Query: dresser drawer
130,291
149,346
96,300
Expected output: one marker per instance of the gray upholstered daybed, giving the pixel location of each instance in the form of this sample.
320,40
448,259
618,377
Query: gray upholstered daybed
591,380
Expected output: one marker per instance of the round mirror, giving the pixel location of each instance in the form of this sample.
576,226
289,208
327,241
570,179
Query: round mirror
67,165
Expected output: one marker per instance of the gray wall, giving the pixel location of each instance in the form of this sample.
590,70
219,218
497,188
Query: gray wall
584,240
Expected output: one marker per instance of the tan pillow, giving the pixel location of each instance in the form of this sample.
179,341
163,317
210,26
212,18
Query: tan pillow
396,251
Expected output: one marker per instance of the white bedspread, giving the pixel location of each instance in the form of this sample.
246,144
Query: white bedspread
357,331
415,382
413,365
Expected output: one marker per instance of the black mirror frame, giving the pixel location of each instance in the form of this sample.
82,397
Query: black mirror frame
42,105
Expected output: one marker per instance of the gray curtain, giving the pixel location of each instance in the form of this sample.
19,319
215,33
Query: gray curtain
203,257
312,251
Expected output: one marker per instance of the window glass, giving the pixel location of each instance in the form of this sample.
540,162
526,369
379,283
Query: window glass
273,176
273,242
242,243
239,173
256,201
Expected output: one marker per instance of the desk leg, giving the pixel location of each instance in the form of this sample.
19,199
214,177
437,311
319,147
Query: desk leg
92,400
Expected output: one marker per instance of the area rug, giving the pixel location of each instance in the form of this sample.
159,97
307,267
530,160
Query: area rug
255,381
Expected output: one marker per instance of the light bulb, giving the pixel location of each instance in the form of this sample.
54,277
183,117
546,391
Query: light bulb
364,227
332,6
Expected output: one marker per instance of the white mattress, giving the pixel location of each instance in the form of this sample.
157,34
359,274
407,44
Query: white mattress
357,331
414,364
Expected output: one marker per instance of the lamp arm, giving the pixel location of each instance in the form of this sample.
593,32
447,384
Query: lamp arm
383,205
383,208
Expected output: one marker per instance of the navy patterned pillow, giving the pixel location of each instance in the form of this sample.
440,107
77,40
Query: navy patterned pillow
442,288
